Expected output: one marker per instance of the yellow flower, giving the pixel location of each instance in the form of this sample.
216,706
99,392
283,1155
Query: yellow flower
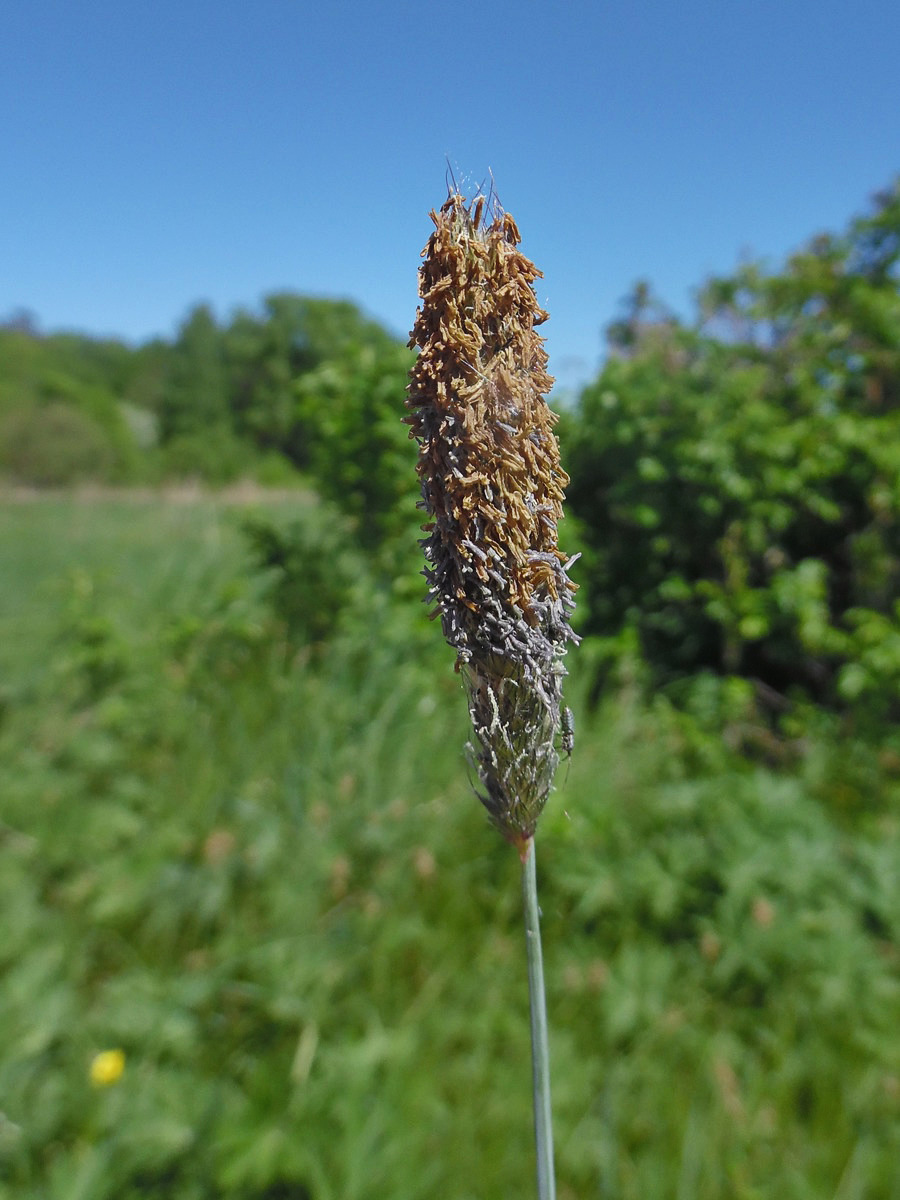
107,1068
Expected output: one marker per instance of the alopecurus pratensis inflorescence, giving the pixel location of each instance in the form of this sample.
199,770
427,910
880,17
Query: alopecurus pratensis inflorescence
492,485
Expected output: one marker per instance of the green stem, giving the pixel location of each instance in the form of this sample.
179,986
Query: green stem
540,1052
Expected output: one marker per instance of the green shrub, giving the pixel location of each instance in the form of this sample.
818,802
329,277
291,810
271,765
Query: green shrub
740,493
53,445
313,569
358,452
213,455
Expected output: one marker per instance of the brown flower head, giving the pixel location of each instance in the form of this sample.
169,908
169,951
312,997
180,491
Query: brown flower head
492,485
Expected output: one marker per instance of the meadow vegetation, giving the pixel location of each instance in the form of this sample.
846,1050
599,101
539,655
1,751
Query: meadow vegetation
237,839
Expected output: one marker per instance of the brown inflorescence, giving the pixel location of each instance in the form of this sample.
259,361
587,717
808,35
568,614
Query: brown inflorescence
492,485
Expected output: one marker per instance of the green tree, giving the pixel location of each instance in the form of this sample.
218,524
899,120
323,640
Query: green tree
195,398
358,452
61,417
295,334
739,479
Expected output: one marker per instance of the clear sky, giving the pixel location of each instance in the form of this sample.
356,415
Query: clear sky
156,154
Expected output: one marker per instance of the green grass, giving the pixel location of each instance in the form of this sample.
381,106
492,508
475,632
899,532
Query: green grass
151,553
257,868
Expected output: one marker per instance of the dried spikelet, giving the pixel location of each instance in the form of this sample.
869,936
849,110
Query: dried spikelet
493,486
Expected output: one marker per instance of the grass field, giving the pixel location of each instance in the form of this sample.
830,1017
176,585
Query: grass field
154,551
255,867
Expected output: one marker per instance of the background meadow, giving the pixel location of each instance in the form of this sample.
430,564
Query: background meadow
237,839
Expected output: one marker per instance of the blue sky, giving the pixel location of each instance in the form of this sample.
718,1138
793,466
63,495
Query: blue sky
153,155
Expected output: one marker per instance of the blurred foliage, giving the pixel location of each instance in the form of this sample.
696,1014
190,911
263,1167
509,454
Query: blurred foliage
359,453
314,570
259,874
738,482
59,419
53,445
262,395
237,846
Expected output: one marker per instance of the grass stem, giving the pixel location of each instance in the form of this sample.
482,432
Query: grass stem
540,1051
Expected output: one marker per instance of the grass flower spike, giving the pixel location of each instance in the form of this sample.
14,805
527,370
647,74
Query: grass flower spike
492,485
